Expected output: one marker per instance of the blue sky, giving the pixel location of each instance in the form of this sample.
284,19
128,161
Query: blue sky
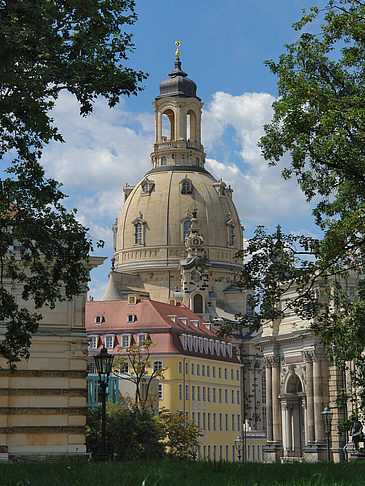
223,49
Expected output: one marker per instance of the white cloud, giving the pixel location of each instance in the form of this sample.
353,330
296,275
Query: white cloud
261,195
102,150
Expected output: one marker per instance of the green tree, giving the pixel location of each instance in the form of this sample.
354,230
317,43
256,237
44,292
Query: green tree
46,47
132,434
137,368
319,122
181,434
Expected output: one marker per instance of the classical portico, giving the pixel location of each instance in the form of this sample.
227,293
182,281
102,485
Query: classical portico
297,390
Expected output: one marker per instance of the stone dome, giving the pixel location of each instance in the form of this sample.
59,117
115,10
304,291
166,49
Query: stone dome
178,84
161,206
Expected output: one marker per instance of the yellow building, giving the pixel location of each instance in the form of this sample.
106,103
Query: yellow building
43,403
202,377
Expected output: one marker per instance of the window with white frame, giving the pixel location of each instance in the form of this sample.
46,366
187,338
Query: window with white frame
192,369
198,369
126,340
184,341
180,392
186,368
211,346
190,342
93,344
229,349
203,370
217,347
141,338
238,396
223,348
187,392
160,391
232,374
226,396
201,345
109,341
99,319
208,371
124,368
219,372
131,318
195,340
157,365
232,393
225,374
193,393
206,345
180,367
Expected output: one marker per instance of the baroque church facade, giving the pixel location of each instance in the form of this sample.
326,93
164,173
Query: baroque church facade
175,241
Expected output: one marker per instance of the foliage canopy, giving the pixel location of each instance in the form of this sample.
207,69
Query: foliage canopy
46,47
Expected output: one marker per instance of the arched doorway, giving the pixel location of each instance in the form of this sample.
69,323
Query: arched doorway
198,304
292,402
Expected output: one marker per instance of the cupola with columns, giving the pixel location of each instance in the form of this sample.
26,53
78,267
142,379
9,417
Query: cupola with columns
178,108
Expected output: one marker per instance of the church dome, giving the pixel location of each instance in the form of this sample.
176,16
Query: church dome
178,84
156,218
178,232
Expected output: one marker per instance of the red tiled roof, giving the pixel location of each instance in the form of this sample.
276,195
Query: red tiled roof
152,317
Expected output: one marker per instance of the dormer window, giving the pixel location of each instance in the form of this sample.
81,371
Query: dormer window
142,338
229,349
186,187
217,347
93,342
99,319
190,342
131,318
126,341
147,186
109,341
223,348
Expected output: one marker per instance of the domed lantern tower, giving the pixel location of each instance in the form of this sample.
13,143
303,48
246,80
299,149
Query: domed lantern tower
178,231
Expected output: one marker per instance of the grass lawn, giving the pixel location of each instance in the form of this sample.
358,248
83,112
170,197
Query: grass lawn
170,473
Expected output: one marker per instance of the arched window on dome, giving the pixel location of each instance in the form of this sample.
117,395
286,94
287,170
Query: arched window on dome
186,227
186,187
139,230
198,304
138,234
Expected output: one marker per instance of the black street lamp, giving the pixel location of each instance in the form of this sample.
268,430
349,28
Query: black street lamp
238,445
327,419
104,366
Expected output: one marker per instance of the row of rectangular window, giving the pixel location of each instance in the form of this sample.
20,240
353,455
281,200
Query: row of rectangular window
255,453
205,345
110,340
208,421
208,394
204,370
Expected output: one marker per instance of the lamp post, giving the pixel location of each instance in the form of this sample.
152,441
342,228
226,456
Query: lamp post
104,365
327,419
238,445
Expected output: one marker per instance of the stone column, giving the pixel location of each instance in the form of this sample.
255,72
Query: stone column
276,422
288,429
317,406
309,395
268,373
158,127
